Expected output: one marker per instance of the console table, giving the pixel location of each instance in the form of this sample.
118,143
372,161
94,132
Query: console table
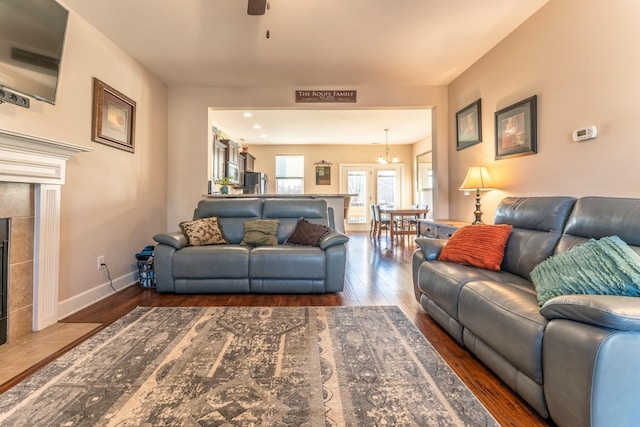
438,228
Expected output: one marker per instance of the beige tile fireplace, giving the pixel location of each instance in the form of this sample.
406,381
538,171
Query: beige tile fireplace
16,203
32,172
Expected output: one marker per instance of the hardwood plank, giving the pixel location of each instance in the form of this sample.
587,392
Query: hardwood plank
378,273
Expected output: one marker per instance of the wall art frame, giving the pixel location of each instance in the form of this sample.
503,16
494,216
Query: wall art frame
469,125
323,172
516,129
114,117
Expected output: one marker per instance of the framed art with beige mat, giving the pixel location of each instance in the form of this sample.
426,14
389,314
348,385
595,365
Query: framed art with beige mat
114,117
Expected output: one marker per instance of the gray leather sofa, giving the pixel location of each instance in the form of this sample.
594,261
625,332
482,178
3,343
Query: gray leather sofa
234,268
576,359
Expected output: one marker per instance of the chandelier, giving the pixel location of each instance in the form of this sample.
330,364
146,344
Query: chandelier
386,157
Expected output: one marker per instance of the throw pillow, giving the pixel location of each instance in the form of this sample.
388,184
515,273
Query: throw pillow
307,233
205,231
477,245
260,232
598,267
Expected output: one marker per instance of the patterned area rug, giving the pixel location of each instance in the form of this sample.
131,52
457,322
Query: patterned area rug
244,366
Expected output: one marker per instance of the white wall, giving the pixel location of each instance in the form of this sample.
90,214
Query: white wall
581,58
113,201
190,128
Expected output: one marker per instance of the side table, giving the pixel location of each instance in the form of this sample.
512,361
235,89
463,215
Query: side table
438,228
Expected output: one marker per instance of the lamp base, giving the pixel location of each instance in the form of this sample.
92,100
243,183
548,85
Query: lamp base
477,212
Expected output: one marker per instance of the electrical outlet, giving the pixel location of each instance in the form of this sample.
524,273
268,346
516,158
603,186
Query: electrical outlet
100,262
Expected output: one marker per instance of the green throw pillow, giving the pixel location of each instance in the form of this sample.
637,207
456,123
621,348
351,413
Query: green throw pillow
599,267
260,232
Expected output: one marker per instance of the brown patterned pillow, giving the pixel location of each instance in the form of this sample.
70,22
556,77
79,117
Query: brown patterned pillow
205,231
307,233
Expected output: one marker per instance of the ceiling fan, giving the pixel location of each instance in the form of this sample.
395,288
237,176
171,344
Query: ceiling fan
257,7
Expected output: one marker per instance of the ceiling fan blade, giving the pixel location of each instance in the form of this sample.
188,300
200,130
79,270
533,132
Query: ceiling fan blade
257,7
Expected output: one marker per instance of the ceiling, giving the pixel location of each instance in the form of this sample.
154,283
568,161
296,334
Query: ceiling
324,127
337,44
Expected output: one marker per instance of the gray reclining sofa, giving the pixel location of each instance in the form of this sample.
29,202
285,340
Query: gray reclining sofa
576,359
235,268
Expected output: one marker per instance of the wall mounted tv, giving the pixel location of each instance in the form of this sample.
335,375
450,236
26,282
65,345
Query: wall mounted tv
31,42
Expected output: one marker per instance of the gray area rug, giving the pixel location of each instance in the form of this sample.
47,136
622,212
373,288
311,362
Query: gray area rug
246,366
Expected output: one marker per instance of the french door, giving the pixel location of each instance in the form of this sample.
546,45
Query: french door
371,184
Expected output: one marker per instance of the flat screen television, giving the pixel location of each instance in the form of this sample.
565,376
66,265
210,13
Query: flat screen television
31,43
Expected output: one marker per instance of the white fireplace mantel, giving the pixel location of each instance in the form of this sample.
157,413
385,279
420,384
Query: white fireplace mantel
40,161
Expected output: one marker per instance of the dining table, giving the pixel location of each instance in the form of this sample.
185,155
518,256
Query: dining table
400,217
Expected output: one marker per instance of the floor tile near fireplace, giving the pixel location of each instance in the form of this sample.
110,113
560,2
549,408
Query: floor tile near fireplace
29,350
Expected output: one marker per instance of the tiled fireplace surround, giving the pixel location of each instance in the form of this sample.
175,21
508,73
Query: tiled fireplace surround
32,171
16,203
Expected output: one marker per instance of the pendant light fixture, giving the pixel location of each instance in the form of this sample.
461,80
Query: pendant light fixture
386,157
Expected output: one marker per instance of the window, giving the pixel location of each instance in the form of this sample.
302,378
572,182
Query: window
290,174
357,180
386,185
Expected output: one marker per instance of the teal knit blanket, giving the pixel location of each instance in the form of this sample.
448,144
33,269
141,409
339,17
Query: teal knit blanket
607,266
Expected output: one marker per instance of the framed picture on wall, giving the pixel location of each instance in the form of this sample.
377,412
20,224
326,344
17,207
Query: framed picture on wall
469,126
516,126
114,117
323,172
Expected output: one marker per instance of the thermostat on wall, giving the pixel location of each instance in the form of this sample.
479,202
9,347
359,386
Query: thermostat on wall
585,133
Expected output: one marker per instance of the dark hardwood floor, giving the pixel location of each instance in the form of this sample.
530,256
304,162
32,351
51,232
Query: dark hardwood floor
378,273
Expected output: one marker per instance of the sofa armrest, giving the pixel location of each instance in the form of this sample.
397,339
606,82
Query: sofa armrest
608,311
331,239
430,247
174,239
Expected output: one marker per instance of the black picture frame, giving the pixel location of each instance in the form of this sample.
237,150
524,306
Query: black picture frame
469,125
516,129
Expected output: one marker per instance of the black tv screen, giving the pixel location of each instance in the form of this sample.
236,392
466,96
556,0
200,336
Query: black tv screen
31,43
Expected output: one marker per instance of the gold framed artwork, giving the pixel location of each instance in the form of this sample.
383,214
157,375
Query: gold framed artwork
114,117
323,172
323,175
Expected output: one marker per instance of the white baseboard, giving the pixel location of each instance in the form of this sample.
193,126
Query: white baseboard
85,299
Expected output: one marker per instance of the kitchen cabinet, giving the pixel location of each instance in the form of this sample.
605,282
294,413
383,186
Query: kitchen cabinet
250,159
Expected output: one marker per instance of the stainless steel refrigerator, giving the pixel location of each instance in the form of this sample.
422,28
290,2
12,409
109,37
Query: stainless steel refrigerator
255,183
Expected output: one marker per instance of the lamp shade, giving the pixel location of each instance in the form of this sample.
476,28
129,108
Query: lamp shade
477,179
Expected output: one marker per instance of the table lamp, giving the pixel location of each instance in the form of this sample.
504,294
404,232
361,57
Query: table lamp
477,179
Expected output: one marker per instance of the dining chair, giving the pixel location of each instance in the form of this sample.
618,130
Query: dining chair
374,225
409,222
382,223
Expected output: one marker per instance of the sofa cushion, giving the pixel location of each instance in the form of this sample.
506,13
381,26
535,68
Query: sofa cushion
287,262
307,234
260,232
599,267
312,210
205,231
537,227
213,261
609,311
506,318
231,214
597,217
477,245
430,248
442,281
